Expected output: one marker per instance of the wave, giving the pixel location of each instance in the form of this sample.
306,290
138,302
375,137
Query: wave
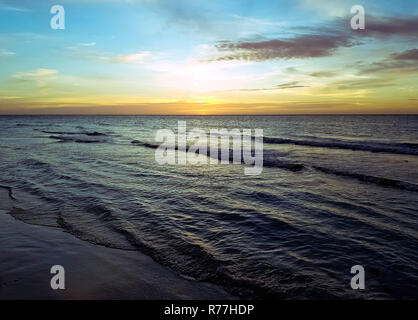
396,148
31,163
385,182
269,159
77,140
146,144
407,148
276,163
10,191
87,133
23,125
189,258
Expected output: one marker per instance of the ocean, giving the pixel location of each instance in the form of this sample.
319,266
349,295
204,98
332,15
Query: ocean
335,191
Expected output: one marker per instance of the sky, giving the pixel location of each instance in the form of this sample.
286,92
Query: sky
208,57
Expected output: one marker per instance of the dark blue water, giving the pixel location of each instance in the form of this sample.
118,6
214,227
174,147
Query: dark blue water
335,191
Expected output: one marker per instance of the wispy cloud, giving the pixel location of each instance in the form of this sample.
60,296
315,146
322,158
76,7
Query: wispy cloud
406,61
129,58
336,8
85,51
287,85
5,7
305,46
406,55
86,44
41,77
361,83
318,41
6,53
35,74
323,74
390,26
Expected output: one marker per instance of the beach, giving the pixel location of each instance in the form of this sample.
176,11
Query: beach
92,272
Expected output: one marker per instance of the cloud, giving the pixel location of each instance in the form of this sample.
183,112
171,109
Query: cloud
406,55
288,85
35,74
291,69
406,61
375,27
88,44
129,58
305,46
41,77
323,74
6,53
361,84
85,51
189,15
175,107
5,7
390,26
317,42
337,8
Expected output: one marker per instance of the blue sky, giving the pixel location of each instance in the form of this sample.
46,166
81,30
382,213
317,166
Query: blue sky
193,56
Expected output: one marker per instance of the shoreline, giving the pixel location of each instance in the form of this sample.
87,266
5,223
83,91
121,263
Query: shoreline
91,271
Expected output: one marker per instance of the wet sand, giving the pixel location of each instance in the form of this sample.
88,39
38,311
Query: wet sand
27,253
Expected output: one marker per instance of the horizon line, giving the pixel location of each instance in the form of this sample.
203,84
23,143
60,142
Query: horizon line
214,115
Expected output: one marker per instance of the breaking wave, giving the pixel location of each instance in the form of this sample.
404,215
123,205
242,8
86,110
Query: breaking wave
396,148
385,182
269,157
